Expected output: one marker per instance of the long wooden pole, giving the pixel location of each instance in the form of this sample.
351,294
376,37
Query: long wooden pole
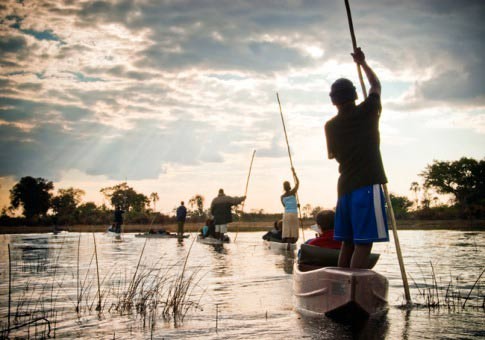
354,44
247,180
384,186
291,163
245,191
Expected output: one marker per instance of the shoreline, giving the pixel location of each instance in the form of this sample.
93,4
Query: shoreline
459,225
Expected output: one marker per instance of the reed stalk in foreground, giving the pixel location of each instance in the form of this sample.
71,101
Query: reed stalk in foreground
176,304
469,293
449,295
98,308
78,295
9,284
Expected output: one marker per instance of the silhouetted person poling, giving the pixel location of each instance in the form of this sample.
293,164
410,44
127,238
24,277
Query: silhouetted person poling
221,211
118,217
290,216
353,140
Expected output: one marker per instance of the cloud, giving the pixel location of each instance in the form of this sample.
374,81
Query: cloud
11,44
130,88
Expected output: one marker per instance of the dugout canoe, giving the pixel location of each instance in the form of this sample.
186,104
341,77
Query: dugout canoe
147,235
273,245
340,293
211,240
321,288
110,232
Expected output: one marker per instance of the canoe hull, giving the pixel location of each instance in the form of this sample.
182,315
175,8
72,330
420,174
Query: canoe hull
279,245
112,233
342,293
210,240
160,236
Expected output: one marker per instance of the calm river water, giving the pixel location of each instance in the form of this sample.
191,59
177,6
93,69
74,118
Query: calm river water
239,291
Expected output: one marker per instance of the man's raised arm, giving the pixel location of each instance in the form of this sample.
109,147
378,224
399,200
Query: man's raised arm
375,85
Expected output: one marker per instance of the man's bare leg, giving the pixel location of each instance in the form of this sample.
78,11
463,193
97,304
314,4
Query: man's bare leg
346,251
360,257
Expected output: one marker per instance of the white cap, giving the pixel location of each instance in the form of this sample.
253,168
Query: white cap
316,228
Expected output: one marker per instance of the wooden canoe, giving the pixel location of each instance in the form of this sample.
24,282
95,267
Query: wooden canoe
273,245
340,293
147,235
211,240
110,232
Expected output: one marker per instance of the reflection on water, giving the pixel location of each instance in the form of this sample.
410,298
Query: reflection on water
245,289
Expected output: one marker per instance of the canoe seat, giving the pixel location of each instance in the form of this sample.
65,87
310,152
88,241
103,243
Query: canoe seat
325,257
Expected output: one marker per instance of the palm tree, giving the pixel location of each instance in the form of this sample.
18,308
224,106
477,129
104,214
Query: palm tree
307,209
197,201
415,187
154,198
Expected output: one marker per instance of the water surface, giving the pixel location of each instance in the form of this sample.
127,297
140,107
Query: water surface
239,291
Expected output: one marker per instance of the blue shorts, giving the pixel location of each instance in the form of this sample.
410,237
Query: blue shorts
361,216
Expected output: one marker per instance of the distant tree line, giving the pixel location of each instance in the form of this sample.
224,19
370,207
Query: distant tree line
463,180
38,205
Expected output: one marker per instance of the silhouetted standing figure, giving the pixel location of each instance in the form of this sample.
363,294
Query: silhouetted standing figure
118,219
181,216
353,140
290,216
221,210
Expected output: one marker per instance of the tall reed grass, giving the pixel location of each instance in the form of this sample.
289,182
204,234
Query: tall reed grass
150,292
454,294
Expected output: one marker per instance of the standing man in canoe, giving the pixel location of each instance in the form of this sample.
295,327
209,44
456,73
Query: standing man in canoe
290,216
353,140
221,211
181,216
118,217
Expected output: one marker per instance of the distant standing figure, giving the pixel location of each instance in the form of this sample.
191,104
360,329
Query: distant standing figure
353,140
290,216
181,216
118,219
221,211
324,229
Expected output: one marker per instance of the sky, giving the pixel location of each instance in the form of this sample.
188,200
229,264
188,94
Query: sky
173,96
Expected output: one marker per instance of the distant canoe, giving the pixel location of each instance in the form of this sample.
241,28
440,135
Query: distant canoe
110,232
273,245
341,293
211,240
146,235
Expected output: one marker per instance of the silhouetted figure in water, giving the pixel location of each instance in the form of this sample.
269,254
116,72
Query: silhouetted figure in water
353,140
181,216
118,219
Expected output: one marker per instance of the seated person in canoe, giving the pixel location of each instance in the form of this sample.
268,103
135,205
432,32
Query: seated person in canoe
209,229
324,228
275,234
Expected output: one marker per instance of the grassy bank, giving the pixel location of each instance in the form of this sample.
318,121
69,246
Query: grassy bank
476,225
